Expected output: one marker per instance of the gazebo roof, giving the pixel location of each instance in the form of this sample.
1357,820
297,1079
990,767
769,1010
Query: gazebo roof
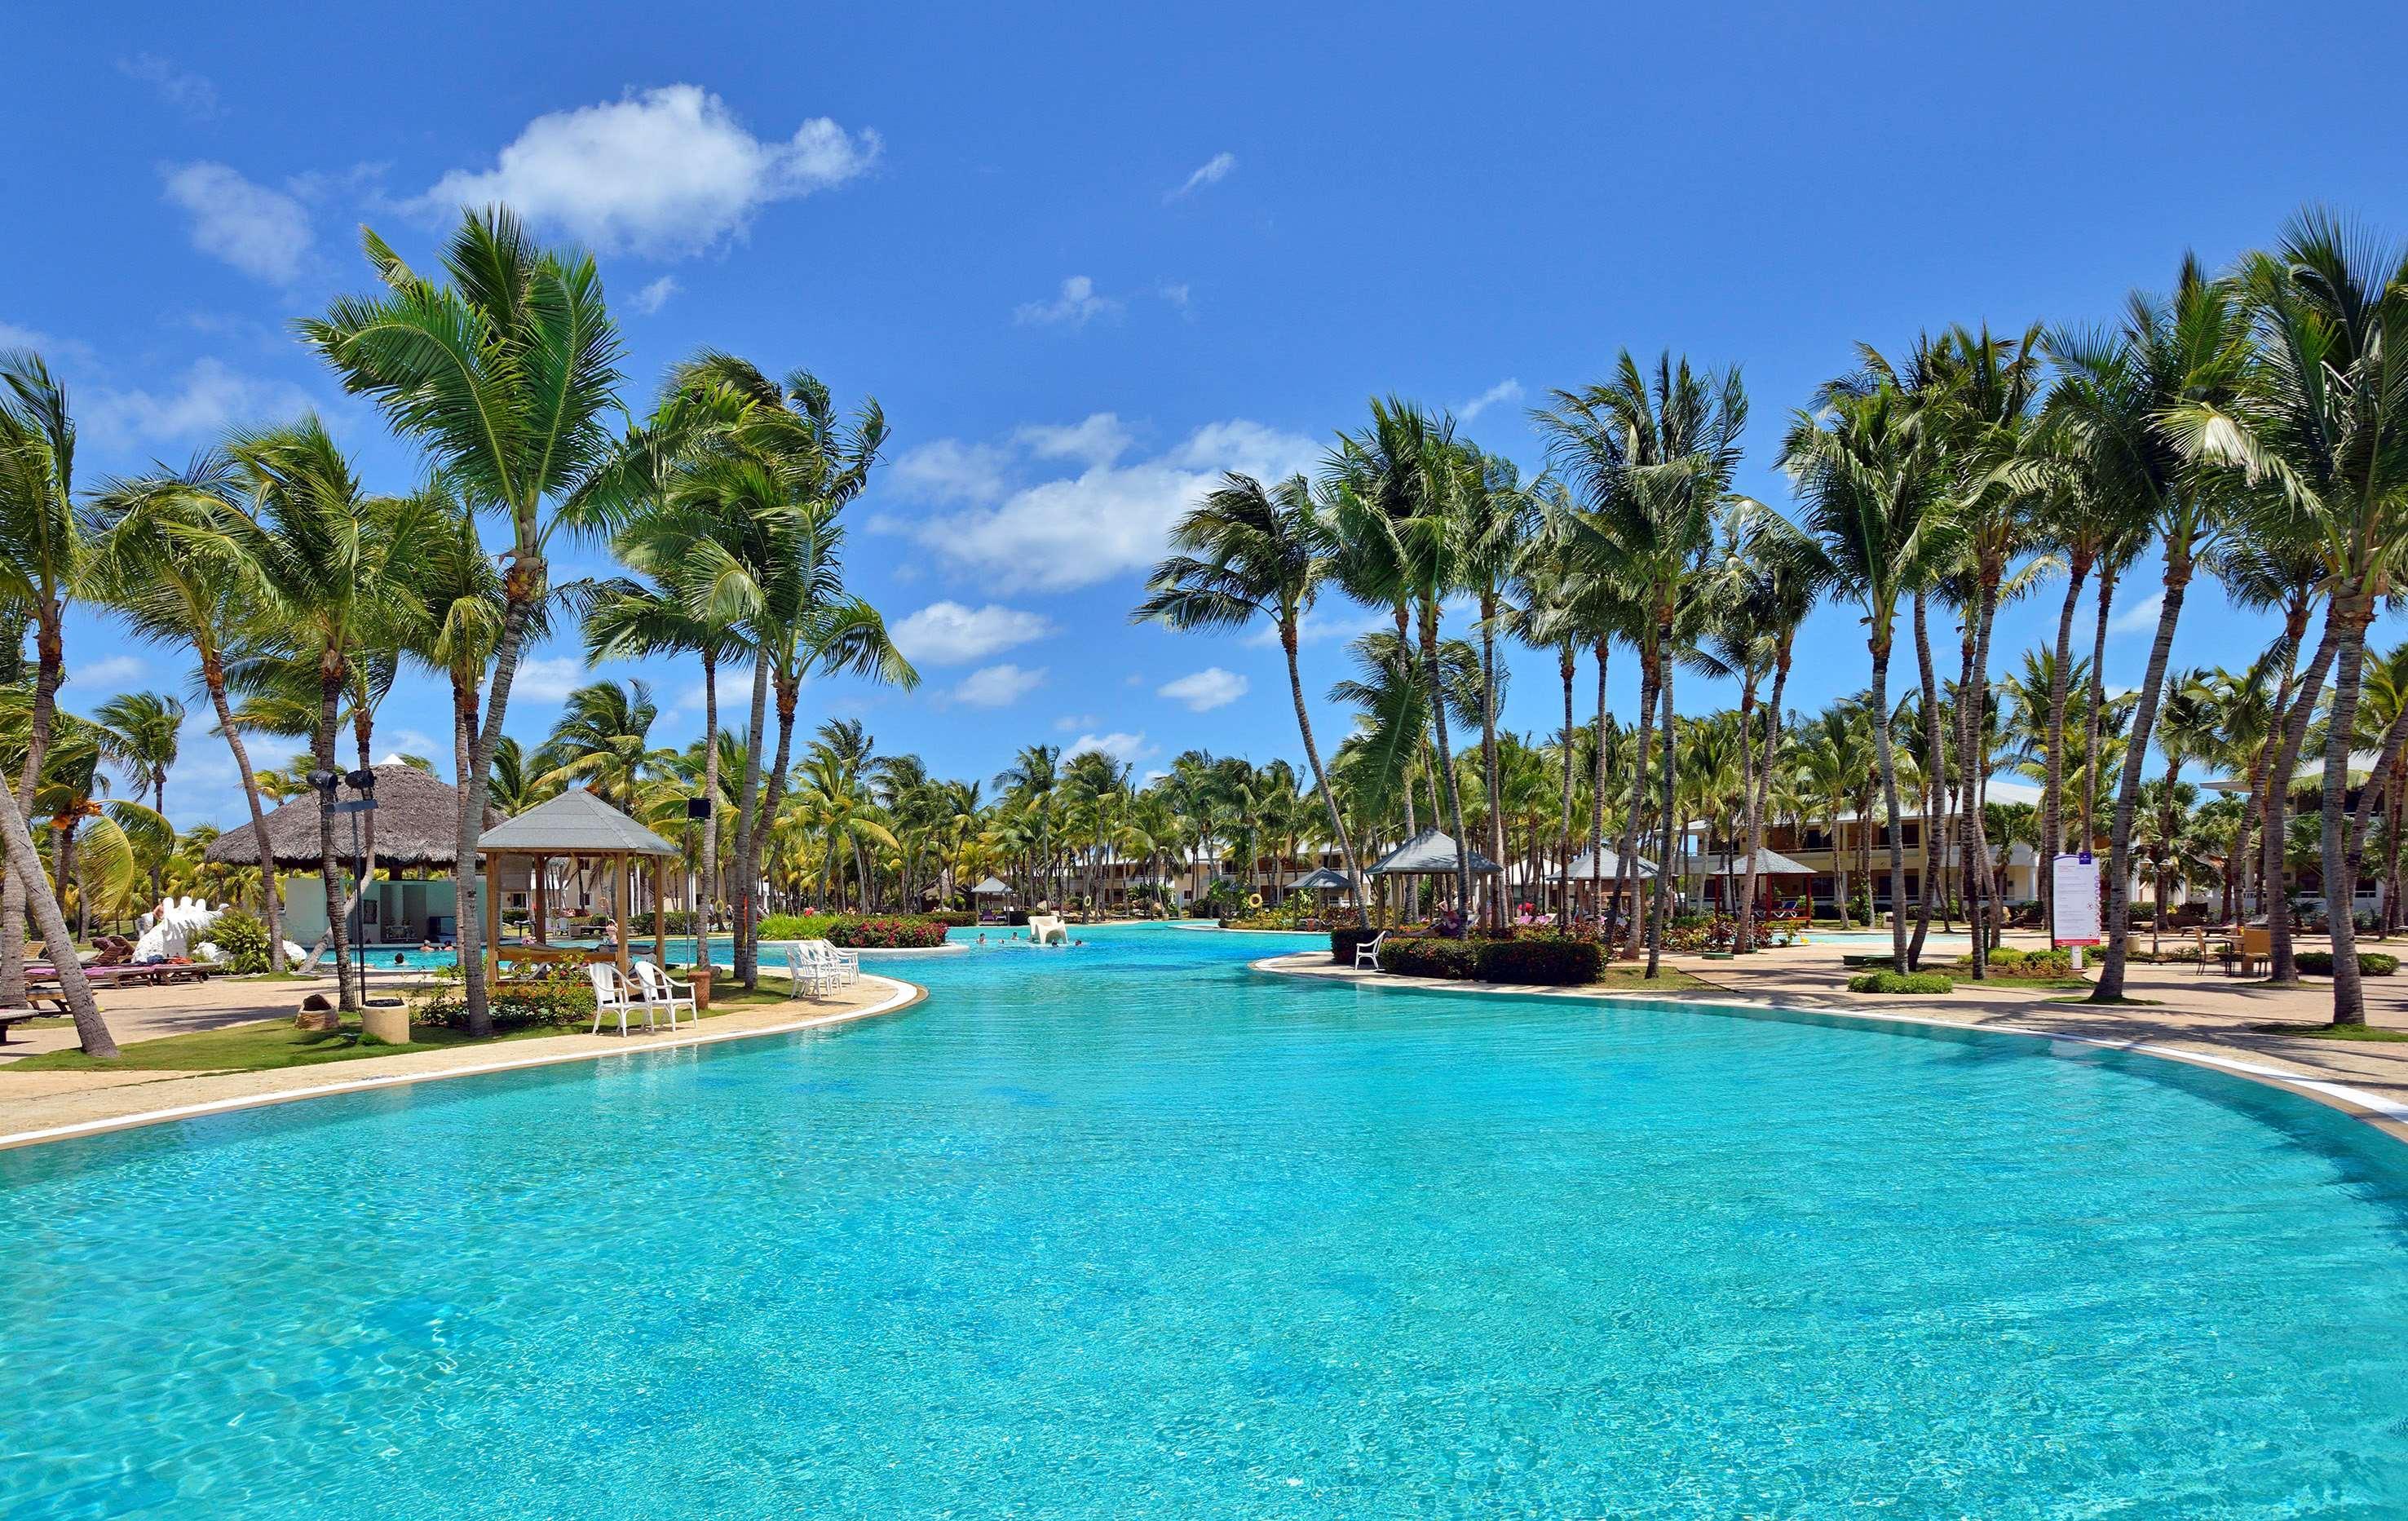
1428,853
1320,880
576,822
417,822
1582,869
1769,863
990,887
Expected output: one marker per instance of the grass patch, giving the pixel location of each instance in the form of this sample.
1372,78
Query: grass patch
271,1045
2334,1032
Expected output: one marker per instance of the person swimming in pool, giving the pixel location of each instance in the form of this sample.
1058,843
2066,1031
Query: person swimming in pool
399,959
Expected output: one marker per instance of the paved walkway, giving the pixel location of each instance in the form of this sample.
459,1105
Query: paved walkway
2197,1014
41,1106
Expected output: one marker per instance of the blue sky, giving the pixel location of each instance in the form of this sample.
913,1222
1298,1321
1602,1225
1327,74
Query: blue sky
1086,260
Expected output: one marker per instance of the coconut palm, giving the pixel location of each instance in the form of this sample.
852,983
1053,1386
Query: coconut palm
41,557
1650,460
1245,552
602,740
1499,518
504,376
2324,426
2139,407
139,732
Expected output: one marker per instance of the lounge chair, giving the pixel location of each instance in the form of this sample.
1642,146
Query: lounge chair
613,994
661,991
1367,953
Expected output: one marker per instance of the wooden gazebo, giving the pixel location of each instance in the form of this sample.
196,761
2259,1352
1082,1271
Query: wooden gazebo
574,827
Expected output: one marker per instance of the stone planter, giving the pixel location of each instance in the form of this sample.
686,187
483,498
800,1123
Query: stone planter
389,1023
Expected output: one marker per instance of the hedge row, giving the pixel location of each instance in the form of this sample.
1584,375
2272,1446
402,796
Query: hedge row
883,932
1548,960
2370,963
558,995
1892,981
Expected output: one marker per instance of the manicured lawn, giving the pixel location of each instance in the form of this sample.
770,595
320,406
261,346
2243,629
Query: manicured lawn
2334,1032
272,1043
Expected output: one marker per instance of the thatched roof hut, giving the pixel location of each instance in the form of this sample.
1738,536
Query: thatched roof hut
417,824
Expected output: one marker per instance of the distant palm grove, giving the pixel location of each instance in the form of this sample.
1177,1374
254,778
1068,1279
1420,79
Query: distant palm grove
2250,425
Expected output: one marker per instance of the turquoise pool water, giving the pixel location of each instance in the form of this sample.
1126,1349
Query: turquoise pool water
1126,1230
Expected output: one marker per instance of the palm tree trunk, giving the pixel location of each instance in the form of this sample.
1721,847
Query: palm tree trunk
1972,703
17,891
747,823
2091,759
1437,679
213,677
1568,666
1757,800
523,585
2128,786
1743,936
2282,968
773,793
1671,842
2352,613
468,922
24,869
330,691
1649,659
709,870
1935,774
1597,783
1288,633
2052,790
1887,758
1489,752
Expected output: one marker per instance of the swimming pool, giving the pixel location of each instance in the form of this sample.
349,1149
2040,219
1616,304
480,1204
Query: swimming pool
1130,1230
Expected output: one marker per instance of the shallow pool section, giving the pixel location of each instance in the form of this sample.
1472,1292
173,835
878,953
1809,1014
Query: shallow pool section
1129,1230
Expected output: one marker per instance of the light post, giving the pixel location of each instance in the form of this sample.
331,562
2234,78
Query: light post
364,782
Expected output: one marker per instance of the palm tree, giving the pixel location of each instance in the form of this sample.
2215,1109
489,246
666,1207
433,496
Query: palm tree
138,731
602,738
313,550
1867,474
2326,425
504,376
1499,518
1651,461
1399,490
41,555
1244,551
2137,405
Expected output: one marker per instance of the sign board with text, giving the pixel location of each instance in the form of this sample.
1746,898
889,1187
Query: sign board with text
2074,883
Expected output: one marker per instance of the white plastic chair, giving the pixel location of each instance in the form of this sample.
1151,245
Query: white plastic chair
614,994
661,991
844,963
810,973
1367,953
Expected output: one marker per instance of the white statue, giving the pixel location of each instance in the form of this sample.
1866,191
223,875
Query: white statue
172,928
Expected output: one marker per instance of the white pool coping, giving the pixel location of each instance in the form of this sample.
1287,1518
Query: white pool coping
902,995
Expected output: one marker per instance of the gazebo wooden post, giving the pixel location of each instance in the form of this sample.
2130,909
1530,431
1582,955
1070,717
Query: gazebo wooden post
619,909
493,917
540,898
660,921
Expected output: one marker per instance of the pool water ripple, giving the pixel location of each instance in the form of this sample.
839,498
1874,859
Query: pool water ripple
1130,1230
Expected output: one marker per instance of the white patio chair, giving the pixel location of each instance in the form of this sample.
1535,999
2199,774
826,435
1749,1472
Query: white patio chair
614,995
661,991
810,973
844,963
1367,953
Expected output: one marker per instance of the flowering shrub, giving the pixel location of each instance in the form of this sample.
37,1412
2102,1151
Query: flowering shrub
547,994
882,932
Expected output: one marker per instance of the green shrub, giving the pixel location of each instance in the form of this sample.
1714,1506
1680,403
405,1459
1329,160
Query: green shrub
1430,956
557,995
2013,961
241,940
884,931
953,918
1891,981
1550,960
2370,963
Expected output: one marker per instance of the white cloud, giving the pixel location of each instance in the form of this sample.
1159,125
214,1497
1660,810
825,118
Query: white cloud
653,296
2139,618
1119,744
548,680
1111,517
998,687
667,172
1075,305
949,471
189,92
210,399
416,742
1174,292
949,633
1210,172
1205,690
1097,439
1324,625
1507,390
114,673
262,232
1070,722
